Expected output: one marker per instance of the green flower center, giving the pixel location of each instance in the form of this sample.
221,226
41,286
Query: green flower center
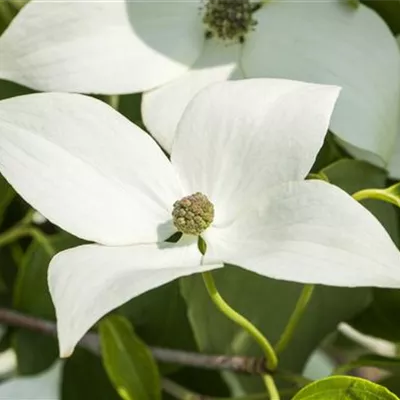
193,214
229,19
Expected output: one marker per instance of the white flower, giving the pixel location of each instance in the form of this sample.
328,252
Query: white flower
246,145
394,162
119,46
46,385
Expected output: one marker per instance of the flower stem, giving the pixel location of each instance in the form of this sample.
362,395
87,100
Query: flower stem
13,234
270,384
178,391
20,231
294,319
271,359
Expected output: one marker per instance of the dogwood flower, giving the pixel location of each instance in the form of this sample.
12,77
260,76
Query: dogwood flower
172,49
235,178
394,162
46,385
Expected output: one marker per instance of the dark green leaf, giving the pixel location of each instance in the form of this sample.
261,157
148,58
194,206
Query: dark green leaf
329,153
194,378
389,10
6,195
11,89
32,294
36,352
8,276
392,383
127,360
381,318
129,105
160,318
268,304
84,378
344,387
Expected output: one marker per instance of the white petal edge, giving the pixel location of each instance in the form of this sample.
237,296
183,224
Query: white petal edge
87,282
238,139
353,49
162,108
109,47
394,163
310,232
87,168
46,385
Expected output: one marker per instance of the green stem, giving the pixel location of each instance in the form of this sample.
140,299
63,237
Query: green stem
14,234
298,380
294,319
270,384
20,231
43,241
272,360
178,391
376,194
113,101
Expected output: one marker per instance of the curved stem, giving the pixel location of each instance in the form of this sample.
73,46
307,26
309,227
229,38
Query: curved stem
178,391
20,231
13,234
377,194
294,319
272,360
367,194
272,390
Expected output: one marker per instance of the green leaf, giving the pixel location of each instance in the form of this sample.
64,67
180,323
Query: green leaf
328,154
32,294
34,351
193,379
173,330
11,89
344,387
8,276
127,360
129,106
392,383
381,318
389,10
6,195
268,304
84,378
391,364
353,176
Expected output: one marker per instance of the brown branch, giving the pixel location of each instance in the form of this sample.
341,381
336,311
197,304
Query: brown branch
248,365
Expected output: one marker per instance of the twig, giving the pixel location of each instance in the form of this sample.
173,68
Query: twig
91,342
248,365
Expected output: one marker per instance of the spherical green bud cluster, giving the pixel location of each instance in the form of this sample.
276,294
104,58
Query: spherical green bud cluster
193,214
229,19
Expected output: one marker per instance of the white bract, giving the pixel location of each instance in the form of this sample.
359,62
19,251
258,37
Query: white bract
246,145
160,47
44,386
394,162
